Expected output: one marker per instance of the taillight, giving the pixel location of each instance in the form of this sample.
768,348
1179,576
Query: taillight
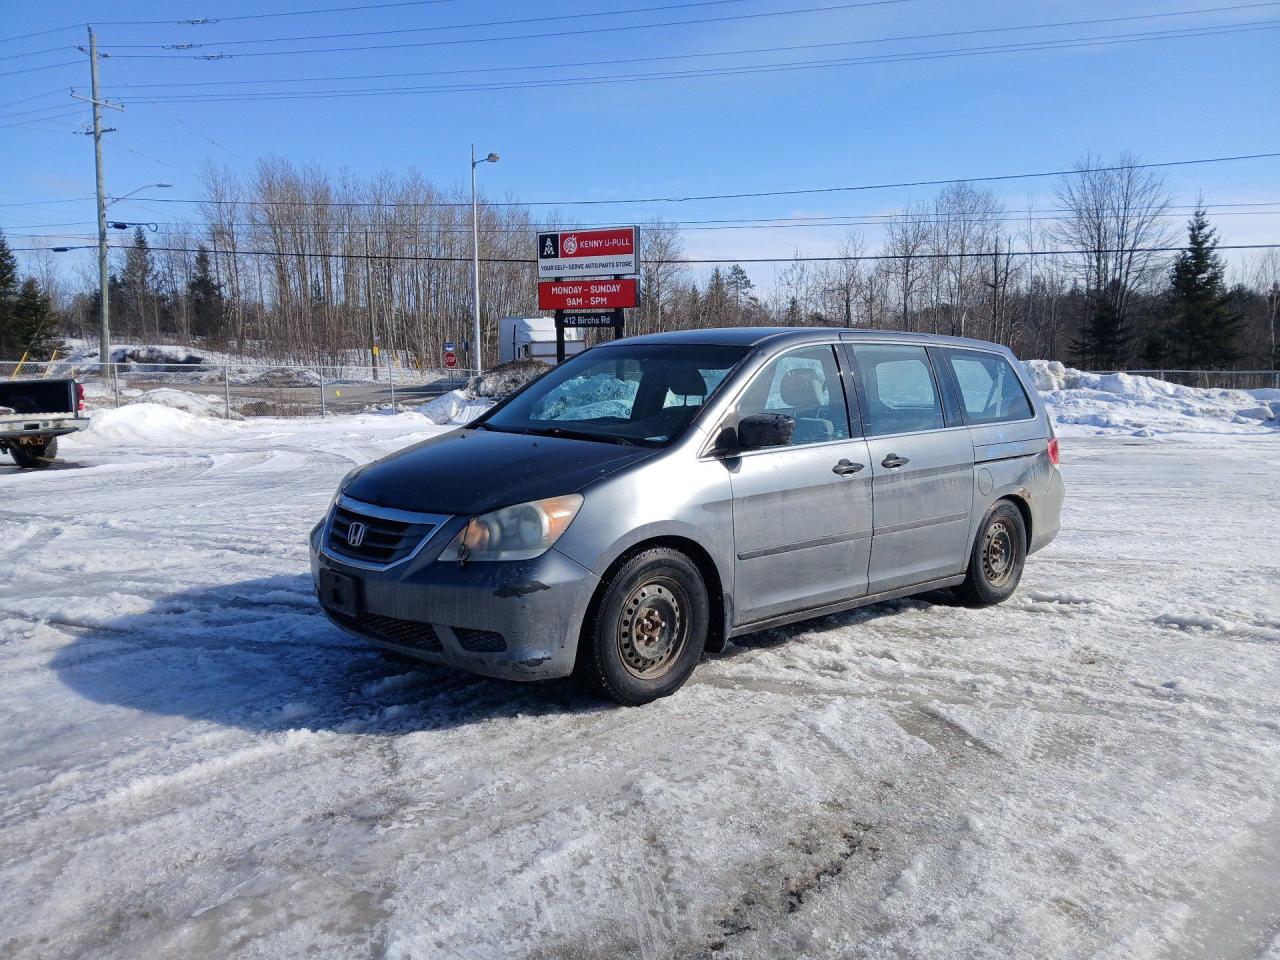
80,398
1053,450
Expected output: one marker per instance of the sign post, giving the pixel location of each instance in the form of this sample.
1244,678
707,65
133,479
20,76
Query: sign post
588,277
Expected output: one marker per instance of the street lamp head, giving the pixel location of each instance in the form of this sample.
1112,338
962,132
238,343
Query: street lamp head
491,158
162,185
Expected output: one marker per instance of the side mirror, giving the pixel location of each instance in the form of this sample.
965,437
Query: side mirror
762,430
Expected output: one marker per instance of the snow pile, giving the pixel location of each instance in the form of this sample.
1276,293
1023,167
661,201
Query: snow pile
505,379
589,398
454,407
1146,406
152,422
191,403
177,356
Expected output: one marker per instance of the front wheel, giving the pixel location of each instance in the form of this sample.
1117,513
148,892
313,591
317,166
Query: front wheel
997,558
650,628
34,456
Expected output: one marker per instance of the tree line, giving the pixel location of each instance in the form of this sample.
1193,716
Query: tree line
294,264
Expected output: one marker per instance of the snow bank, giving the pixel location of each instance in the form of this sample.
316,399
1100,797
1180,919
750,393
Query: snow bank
152,422
1146,406
191,403
455,407
505,379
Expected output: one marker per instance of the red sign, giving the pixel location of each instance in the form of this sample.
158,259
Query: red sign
586,294
570,253
450,359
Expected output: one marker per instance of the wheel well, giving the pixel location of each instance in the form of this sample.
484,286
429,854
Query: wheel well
1024,508
710,577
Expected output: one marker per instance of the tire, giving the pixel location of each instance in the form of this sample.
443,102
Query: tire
650,628
996,560
34,456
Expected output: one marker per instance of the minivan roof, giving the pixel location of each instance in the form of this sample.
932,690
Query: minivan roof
755,336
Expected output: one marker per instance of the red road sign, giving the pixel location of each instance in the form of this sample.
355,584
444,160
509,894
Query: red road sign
586,294
578,253
450,359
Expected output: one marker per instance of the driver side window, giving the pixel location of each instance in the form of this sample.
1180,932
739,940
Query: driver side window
804,385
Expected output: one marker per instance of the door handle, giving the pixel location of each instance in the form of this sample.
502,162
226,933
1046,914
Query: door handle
846,468
893,461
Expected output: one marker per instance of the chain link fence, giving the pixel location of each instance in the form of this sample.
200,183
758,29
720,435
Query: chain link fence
238,390
1212,379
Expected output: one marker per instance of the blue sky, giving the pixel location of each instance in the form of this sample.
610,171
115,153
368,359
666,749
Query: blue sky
1008,112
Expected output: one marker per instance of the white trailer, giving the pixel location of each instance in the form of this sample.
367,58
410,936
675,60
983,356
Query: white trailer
534,338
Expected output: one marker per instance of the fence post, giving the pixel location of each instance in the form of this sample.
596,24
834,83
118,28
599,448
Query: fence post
115,383
226,390
322,409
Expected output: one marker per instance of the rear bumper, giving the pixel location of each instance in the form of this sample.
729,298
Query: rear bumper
1046,512
17,426
516,621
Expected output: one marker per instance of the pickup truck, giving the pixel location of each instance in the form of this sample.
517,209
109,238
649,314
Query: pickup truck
34,413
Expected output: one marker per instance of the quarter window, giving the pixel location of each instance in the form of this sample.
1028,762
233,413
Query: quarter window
805,385
901,394
989,389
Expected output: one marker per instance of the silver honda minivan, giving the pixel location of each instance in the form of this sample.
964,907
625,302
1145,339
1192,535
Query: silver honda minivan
654,497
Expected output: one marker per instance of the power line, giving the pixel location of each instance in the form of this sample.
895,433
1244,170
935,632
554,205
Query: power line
529,36
56,116
740,196
872,220
401,31
47,66
726,71
694,56
937,255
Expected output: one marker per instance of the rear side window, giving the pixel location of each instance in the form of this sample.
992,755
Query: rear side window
990,391
901,394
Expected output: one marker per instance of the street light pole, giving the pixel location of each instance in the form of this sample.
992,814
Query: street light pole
475,258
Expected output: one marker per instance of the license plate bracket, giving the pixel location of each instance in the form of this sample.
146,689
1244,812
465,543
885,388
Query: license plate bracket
340,592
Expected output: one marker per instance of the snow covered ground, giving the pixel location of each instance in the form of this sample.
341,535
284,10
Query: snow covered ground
194,764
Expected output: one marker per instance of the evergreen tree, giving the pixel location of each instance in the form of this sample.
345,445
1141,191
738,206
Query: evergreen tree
207,308
31,320
1104,333
716,302
739,285
8,275
1205,328
133,300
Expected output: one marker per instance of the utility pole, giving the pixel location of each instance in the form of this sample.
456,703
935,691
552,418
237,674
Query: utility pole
104,315
373,324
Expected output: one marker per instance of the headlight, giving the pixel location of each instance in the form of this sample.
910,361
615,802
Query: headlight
522,532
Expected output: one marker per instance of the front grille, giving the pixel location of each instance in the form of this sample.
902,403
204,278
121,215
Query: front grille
409,633
384,542
480,641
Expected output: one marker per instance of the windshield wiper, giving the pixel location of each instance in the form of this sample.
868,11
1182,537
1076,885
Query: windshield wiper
583,435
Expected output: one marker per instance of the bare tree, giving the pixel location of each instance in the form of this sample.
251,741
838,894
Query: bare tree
1113,216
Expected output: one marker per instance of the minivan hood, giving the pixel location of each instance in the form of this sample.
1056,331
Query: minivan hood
474,471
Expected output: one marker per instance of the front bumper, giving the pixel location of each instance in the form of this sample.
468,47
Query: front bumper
525,616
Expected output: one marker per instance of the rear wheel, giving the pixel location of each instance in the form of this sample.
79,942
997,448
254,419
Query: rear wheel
34,456
650,628
997,558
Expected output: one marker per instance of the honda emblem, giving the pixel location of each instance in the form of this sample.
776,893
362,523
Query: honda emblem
355,534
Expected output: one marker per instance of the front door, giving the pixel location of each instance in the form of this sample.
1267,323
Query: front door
801,513
922,469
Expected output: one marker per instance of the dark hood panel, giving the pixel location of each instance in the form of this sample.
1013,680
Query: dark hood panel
474,471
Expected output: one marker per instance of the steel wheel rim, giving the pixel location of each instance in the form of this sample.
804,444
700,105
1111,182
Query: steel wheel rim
652,628
998,553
